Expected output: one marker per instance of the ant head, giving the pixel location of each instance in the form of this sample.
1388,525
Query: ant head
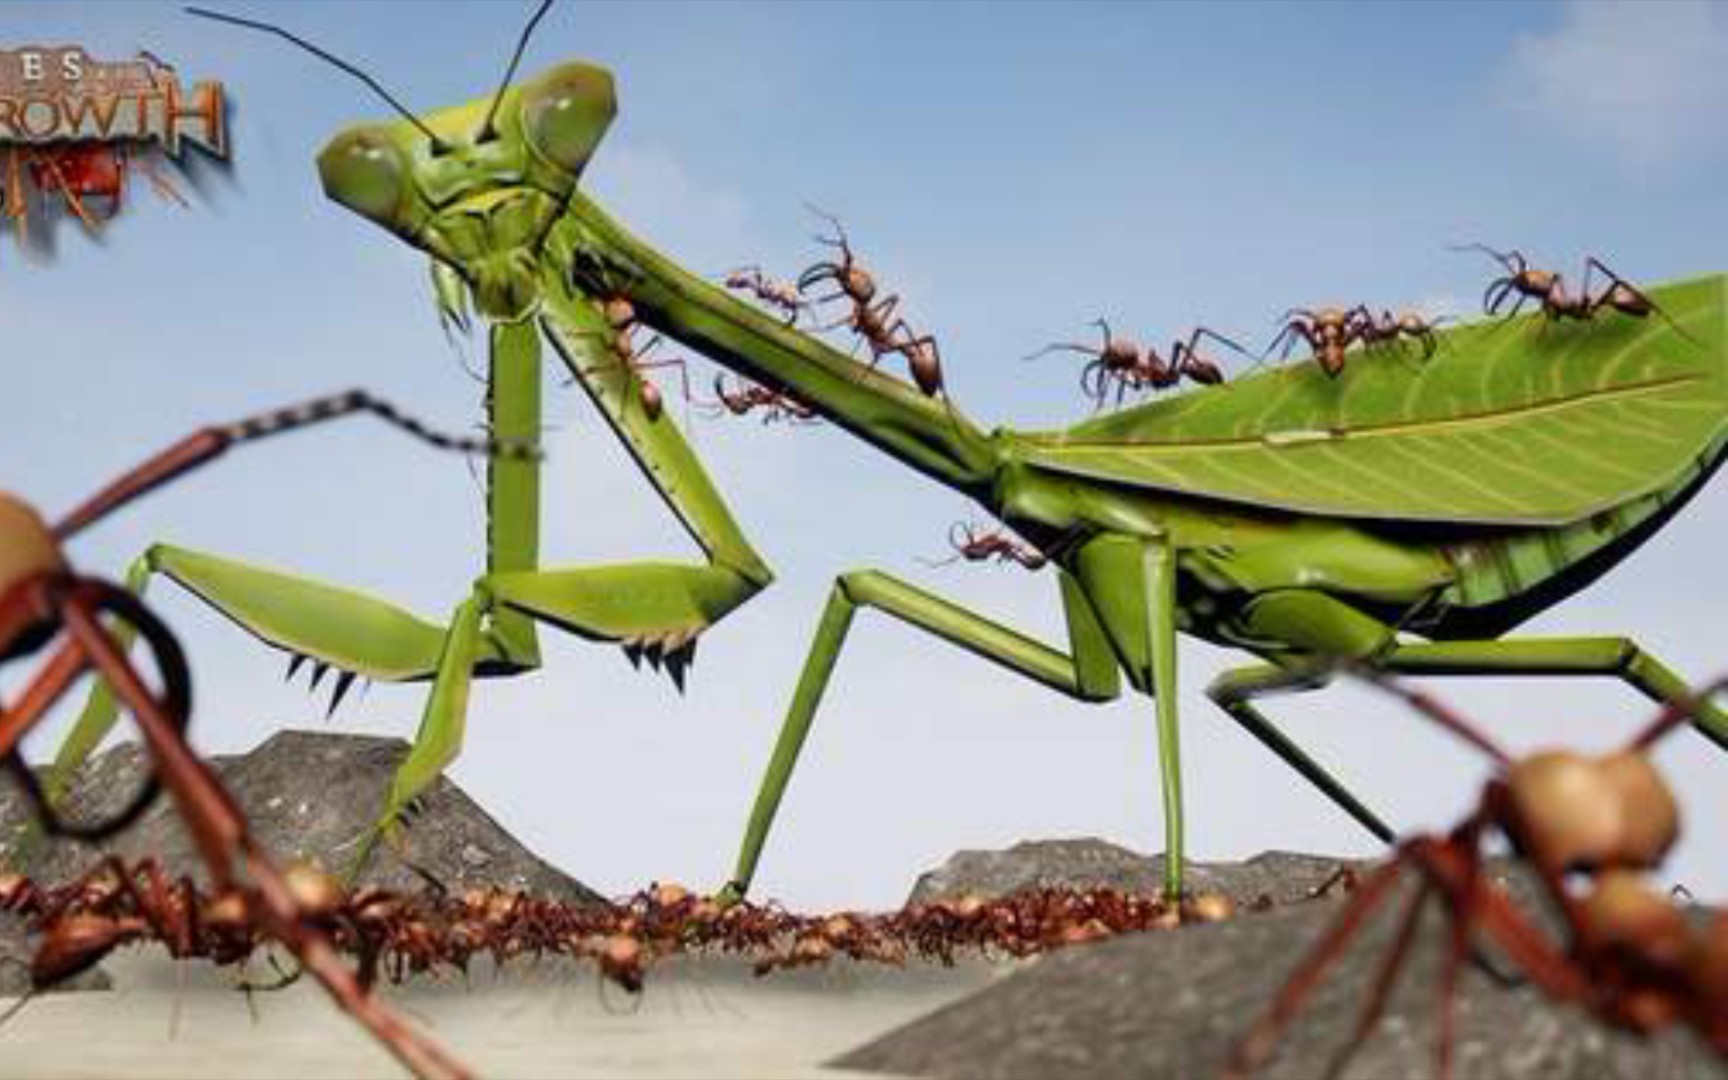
619,312
27,550
1585,813
1540,280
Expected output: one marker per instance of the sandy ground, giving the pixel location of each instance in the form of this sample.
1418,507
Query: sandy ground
701,1018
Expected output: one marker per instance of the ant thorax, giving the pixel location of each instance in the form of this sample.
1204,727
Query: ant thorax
860,285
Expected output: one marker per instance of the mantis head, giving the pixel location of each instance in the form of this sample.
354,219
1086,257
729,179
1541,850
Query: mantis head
477,186
477,195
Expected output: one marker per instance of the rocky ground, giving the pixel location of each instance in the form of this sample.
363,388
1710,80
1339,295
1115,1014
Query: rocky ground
1159,1004
1175,1004
308,795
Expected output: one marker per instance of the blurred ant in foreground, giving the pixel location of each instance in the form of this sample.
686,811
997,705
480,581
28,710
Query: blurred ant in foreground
1592,828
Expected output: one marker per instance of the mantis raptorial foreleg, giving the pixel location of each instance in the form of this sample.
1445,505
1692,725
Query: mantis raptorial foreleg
652,609
1088,673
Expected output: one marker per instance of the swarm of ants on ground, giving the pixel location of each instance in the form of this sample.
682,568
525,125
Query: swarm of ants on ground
396,936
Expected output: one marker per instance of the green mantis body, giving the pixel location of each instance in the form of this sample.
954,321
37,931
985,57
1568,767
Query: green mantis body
1312,521
1399,518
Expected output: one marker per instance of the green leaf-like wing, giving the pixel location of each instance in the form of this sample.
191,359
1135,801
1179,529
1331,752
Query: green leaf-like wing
1515,422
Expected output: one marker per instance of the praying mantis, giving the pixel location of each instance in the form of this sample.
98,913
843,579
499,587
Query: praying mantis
481,208
1400,519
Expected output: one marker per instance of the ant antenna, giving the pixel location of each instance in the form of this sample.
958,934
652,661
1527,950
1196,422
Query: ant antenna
1504,258
439,146
486,129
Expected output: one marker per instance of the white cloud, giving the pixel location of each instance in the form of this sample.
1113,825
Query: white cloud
1649,80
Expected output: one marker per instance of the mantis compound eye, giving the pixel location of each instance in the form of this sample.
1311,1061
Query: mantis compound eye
364,171
566,112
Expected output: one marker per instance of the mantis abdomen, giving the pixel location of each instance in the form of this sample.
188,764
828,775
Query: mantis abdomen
1504,579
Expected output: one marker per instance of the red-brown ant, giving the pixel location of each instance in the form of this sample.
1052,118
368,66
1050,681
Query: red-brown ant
750,397
1387,328
1328,331
1123,362
776,294
877,322
1526,283
975,546
621,317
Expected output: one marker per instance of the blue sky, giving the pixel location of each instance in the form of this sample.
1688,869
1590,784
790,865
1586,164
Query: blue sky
1014,170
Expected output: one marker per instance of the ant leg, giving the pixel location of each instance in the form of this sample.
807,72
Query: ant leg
1061,346
1092,382
822,271
1254,1047
1385,978
1201,331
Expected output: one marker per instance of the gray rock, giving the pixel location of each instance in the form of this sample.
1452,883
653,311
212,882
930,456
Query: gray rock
1174,1004
1090,863
307,795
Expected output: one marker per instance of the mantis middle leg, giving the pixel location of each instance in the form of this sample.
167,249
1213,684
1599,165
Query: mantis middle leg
1619,657
1328,632
1088,673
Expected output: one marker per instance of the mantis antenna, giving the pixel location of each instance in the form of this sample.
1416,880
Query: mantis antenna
439,146
486,130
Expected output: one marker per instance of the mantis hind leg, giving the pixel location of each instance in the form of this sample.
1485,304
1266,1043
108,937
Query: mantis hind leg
1234,692
1089,674
1321,631
1616,656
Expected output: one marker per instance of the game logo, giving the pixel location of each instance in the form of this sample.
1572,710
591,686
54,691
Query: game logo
73,128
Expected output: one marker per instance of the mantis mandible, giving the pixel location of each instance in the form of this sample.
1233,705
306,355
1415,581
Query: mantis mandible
478,187
1403,520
